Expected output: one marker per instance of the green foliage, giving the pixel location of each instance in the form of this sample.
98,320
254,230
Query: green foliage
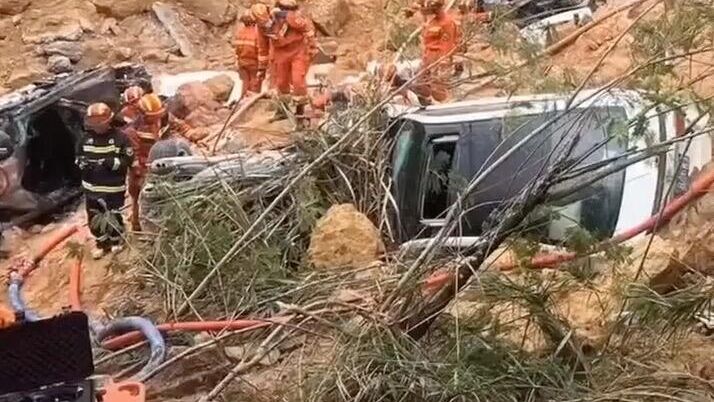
671,313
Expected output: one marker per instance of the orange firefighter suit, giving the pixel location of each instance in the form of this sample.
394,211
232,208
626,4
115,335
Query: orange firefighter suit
441,40
7,317
293,47
143,134
152,125
251,56
130,113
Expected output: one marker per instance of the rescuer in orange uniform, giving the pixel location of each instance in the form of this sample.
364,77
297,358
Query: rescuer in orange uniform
264,23
130,99
7,317
293,46
251,53
143,134
441,41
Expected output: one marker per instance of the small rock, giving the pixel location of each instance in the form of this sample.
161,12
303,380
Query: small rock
71,50
13,7
123,53
59,64
35,229
109,25
17,19
246,352
343,238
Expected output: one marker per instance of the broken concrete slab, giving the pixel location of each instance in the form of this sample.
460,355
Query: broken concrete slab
59,64
344,238
71,50
13,7
170,19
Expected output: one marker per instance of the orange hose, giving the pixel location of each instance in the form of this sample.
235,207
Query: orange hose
132,338
75,285
699,187
55,241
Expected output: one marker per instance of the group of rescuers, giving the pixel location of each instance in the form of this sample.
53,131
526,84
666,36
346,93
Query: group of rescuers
278,44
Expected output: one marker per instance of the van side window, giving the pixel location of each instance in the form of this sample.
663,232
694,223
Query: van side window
440,163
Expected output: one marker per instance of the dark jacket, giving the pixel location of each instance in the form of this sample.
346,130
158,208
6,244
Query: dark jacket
104,160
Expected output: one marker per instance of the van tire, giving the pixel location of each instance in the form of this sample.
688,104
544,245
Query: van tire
169,149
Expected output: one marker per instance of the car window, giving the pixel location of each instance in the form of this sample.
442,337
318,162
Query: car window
595,208
439,172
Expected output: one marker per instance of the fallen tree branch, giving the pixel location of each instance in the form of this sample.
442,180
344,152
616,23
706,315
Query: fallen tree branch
498,227
610,49
263,350
236,114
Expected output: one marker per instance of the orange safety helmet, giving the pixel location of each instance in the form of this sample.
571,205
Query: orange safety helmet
98,115
151,106
260,12
132,95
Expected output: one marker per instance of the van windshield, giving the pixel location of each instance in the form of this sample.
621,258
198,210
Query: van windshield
454,159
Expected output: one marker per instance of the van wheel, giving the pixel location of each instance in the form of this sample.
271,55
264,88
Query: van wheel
169,149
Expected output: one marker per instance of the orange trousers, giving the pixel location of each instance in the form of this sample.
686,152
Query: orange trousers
251,81
290,72
434,82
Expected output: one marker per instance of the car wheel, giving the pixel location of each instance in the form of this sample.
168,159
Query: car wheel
169,149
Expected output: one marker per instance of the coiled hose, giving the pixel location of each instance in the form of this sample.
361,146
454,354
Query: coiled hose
102,332
17,301
147,329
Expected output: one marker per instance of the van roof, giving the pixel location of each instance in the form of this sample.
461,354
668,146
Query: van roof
490,107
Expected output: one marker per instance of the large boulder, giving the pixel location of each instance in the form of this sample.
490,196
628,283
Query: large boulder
221,86
12,7
46,22
344,238
216,12
332,15
121,8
